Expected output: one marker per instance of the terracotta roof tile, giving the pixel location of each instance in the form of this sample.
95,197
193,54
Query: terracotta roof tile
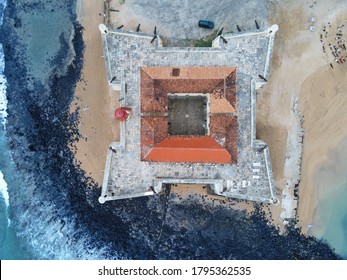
220,105
189,149
153,97
220,83
223,129
153,131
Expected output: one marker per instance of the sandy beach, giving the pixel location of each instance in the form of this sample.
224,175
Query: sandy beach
300,95
94,99
301,76
324,130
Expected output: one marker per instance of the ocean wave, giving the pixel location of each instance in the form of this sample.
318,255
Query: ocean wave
56,238
3,100
5,195
43,217
3,189
2,7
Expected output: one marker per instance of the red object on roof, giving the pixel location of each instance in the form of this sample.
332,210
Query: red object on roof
189,149
122,113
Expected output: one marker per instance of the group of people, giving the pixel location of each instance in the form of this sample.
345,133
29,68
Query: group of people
338,48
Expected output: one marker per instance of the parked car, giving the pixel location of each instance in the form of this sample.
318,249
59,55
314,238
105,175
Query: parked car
206,24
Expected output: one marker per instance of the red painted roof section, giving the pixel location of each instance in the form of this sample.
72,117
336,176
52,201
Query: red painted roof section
189,149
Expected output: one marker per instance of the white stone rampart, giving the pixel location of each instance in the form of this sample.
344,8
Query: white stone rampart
104,31
270,174
188,50
103,196
216,42
273,29
131,34
260,145
253,113
122,181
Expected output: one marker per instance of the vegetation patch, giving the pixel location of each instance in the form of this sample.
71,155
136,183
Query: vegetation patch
206,42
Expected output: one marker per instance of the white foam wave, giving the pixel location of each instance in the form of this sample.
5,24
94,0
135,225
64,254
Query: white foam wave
4,193
3,189
56,239
3,3
3,99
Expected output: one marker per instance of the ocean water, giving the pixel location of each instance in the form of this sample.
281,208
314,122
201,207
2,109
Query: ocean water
330,218
10,245
49,207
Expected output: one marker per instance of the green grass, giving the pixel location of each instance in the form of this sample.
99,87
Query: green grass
206,42
121,2
203,43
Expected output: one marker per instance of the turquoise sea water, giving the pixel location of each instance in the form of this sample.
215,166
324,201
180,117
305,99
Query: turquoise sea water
330,219
10,247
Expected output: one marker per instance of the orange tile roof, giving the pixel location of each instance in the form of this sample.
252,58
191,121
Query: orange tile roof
189,149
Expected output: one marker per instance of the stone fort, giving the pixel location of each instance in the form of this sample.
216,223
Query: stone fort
193,115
